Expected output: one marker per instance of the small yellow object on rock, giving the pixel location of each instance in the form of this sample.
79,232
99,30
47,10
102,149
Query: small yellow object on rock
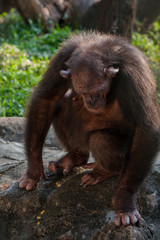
42,212
58,184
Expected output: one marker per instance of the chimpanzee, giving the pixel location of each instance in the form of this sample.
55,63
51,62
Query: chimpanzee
100,95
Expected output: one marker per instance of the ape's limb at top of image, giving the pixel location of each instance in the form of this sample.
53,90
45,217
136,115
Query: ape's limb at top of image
100,95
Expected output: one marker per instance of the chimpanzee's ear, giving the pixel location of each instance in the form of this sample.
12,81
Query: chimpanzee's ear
65,73
111,71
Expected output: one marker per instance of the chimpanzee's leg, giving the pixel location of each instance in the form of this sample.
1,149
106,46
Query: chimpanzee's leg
109,151
68,162
71,135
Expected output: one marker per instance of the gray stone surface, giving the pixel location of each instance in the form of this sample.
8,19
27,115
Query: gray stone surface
60,208
12,129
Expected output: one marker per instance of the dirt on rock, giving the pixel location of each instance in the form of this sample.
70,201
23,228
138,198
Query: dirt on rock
60,208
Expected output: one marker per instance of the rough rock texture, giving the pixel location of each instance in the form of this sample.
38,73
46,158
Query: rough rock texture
12,130
60,208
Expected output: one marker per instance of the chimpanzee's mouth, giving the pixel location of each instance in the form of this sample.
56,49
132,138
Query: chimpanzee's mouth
99,110
95,103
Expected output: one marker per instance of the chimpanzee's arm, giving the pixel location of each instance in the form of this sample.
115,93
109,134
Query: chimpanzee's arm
40,113
137,98
139,161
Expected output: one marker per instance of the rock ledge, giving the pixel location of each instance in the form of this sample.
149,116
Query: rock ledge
60,208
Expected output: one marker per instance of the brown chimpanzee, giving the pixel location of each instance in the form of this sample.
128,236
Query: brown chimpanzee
100,95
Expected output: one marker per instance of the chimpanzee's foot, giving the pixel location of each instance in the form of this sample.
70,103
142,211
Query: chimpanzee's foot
95,177
68,162
89,165
126,218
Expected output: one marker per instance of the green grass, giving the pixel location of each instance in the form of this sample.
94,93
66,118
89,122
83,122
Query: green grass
25,51
17,77
150,45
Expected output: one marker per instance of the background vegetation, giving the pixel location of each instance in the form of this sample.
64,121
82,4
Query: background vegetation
25,51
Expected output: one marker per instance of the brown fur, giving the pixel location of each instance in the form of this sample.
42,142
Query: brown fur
115,117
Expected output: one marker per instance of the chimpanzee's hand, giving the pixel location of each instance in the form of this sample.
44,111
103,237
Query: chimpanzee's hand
29,183
125,204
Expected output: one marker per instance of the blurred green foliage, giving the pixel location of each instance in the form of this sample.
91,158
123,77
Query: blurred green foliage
150,45
25,50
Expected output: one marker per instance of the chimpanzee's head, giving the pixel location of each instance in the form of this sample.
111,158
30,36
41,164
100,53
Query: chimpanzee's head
91,78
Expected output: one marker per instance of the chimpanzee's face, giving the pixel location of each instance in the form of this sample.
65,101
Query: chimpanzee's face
93,88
